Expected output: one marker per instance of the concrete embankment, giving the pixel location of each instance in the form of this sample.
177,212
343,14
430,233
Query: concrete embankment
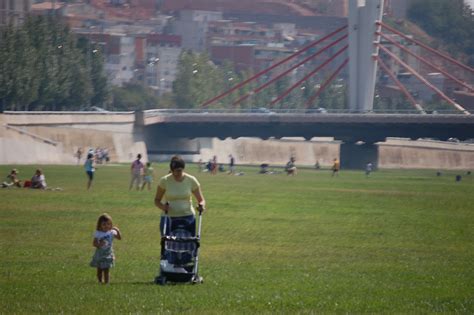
425,154
275,152
53,138
29,138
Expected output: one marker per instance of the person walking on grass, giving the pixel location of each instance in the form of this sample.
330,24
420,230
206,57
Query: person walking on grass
89,166
79,155
137,169
148,176
368,169
290,167
335,167
104,257
174,197
231,164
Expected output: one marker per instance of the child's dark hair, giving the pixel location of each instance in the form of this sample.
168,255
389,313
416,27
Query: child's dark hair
90,155
176,162
103,218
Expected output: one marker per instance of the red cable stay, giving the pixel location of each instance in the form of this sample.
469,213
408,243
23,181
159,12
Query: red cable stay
426,62
260,88
444,56
426,82
399,84
212,100
306,77
326,83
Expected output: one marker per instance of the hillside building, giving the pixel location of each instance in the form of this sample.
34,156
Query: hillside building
192,26
14,12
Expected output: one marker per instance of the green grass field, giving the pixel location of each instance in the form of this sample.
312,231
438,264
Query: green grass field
398,242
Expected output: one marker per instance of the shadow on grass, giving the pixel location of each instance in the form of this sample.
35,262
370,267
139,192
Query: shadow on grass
134,283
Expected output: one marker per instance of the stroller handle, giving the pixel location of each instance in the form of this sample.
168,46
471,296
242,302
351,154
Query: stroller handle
200,208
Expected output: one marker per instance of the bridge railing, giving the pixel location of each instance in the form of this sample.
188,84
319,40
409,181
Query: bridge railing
95,113
266,111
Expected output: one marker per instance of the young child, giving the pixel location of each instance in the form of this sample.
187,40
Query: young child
89,166
104,257
148,176
12,180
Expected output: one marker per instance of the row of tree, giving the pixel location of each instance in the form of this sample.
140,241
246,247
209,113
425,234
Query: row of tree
43,67
199,80
451,21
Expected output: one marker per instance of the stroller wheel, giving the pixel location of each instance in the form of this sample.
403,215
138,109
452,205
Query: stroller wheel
160,280
197,280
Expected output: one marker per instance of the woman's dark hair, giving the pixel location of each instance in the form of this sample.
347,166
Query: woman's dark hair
176,162
90,155
103,218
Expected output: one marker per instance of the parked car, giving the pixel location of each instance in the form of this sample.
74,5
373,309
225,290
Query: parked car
317,110
261,110
98,109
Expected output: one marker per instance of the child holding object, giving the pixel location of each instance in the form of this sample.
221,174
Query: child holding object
104,257
12,180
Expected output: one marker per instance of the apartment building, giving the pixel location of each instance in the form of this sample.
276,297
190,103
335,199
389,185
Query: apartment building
161,63
14,12
192,26
119,53
398,8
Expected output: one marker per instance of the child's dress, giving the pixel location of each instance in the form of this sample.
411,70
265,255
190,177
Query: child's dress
104,256
148,178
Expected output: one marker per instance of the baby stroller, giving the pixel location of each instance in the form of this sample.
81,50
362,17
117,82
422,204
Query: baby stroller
179,252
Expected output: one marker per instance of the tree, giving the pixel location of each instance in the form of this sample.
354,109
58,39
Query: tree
43,68
133,97
6,66
452,21
197,80
182,85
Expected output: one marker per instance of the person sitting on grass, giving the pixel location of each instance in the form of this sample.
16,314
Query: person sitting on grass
12,179
38,180
104,257
264,168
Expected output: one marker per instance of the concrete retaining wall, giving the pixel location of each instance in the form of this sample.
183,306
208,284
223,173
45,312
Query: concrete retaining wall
17,148
274,152
408,154
30,138
23,137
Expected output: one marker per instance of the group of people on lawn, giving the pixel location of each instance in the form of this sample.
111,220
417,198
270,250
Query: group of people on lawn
37,181
173,196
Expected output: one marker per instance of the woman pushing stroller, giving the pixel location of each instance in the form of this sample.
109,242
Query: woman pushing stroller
173,196
179,243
